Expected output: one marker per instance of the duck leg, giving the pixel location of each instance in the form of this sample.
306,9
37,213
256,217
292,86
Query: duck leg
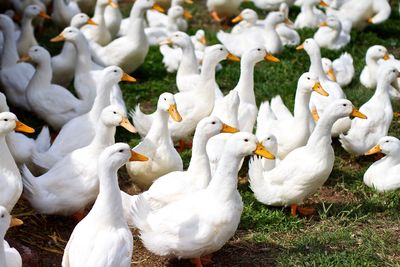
197,262
207,259
79,215
214,16
306,211
293,209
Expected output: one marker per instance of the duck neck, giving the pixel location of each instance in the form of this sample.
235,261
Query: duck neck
60,6
102,98
224,182
2,252
99,16
245,86
316,65
10,54
108,205
372,64
136,24
159,131
199,163
27,31
42,77
321,136
393,159
84,59
307,9
382,89
188,63
104,135
6,158
301,102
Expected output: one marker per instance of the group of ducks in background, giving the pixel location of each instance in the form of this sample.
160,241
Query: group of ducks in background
182,213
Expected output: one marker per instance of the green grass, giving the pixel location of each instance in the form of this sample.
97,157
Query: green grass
355,226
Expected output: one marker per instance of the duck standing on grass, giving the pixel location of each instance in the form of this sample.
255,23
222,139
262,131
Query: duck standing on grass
199,224
103,238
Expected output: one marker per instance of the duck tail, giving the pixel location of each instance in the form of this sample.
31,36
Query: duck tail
42,142
141,121
279,108
264,114
45,160
28,180
346,144
140,211
256,177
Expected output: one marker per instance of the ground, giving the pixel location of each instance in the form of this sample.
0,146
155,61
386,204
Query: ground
354,226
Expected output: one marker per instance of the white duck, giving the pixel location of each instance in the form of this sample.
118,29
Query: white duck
289,36
334,90
305,169
364,134
63,12
194,104
211,215
223,9
175,185
87,74
10,178
362,13
103,238
63,64
383,175
53,103
73,183
157,146
247,113
293,132
270,4
70,136
199,40
230,105
14,76
270,142
158,19
113,18
27,37
99,33
255,36
9,257
22,147
310,16
156,34
369,74
246,19
331,34
341,70
130,50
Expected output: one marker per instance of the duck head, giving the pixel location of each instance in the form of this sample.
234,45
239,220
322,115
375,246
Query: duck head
217,53
33,11
9,123
115,74
377,52
166,103
309,82
248,15
328,68
333,23
342,108
387,145
113,116
119,154
80,20
36,54
180,39
258,54
210,126
244,144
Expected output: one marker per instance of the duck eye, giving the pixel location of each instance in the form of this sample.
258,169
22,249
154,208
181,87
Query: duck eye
269,138
246,140
387,141
2,215
121,151
393,71
114,112
115,71
221,49
259,49
344,105
5,119
213,122
308,78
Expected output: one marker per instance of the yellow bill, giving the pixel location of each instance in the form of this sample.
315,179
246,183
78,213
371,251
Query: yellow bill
173,112
237,19
16,222
331,74
300,47
20,127
127,125
324,4
232,57
166,42
318,88
323,24
43,14
158,8
127,78
91,22
189,2
386,56
112,4
358,114
270,57
187,14
24,58
374,150
263,152
228,129
137,157
203,40
58,38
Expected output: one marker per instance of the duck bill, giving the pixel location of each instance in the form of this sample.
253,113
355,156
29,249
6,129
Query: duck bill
386,56
374,150
187,14
323,24
43,14
358,114
288,22
232,57
300,47
263,152
20,127
137,157
112,4
189,2
370,21
91,22
203,40
214,15
16,222
318,88
323,4
331,75
270,57
127,78
237,19
158,8
24,58
58,38
228,129
173,112
166,42
127,125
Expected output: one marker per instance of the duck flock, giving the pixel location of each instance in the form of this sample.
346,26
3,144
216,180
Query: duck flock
73,162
